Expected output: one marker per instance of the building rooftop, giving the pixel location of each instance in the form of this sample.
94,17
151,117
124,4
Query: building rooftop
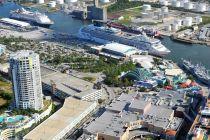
23,53
116,118
15,22
60,120
2,46
165,98
68,84
120,104
116,47
46,71
173,72
110,123
84,93
139,104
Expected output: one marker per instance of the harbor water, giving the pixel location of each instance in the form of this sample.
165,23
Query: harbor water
65,23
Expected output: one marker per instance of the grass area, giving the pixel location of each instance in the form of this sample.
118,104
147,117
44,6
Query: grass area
46,104
5,86
110,67
128,14
5,94
2,102
206,20
123,4
90,79
47,8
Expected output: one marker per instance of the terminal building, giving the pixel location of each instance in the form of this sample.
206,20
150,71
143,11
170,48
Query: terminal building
13,22
115,50
63,121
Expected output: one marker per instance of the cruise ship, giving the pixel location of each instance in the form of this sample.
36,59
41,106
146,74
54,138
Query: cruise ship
35,18
199,71
106,35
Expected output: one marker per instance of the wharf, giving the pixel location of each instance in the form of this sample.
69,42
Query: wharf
189,41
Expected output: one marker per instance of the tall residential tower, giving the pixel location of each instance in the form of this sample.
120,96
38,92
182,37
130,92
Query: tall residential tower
26,79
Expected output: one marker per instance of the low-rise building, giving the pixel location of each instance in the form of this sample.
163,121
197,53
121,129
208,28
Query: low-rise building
14,22
62,121
64,86
19,123
133,115
2,49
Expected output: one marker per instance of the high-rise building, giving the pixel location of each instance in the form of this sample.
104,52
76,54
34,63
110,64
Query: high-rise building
26,79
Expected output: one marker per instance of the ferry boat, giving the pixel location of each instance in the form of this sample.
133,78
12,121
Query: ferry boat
105,35
35,18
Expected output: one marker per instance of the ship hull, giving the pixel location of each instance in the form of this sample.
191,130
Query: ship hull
191,71
45,25
151,51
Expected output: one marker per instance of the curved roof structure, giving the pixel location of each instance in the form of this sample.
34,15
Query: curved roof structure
120,48
139,74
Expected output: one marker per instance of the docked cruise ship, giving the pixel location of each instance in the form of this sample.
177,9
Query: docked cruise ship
106,35
35,18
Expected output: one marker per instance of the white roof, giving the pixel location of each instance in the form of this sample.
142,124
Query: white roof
61,121
2,46
173,72
15,22
116,47
22,53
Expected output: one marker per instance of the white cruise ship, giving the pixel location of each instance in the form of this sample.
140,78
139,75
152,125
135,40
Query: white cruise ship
106,35
34,17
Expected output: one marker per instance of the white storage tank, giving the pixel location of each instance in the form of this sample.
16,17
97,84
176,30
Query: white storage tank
70,1
40,1
176,3
201,7
160,16
181,3
52,4
163,2
145,15
178,22
187,21
60,1
185,1
164,9
146,7
188,5
198,20
168,28
104,1
165,15
174,27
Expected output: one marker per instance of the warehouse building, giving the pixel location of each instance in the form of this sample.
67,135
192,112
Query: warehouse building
62,121
13,22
